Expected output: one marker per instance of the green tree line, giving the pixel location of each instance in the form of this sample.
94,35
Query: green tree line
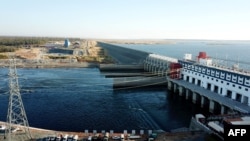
21,41
7,49
24,41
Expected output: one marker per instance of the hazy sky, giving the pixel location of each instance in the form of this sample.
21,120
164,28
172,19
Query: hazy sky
127,19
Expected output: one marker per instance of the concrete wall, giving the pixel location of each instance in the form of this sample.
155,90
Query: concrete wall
124,55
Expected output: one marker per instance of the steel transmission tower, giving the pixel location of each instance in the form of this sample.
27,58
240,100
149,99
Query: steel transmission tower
16,116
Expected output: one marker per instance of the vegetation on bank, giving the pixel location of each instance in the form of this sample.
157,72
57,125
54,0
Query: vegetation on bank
4,49
3,56
21,41
27,41
7,49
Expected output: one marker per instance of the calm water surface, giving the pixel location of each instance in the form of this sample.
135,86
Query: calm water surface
226,52
76,99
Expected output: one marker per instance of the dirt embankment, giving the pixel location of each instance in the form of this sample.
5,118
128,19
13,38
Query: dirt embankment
32,53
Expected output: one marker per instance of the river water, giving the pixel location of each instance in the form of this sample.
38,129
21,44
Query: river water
78,99
226,53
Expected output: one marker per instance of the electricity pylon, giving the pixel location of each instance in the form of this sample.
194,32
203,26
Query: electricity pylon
16,116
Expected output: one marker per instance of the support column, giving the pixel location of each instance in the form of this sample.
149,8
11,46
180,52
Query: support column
247,100
194,97
184,77
169,85
212,87
242,98
202,101
190,79
187,94
180,91
222,109
233,95
224,91
152,67
196,82
204,85
175,88
211,106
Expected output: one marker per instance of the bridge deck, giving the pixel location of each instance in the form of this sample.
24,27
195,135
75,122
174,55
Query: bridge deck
214,96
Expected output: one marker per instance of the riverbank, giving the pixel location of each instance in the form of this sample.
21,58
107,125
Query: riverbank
37,134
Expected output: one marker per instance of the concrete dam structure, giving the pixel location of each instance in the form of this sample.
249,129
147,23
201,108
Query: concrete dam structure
129,69
199,80
124,55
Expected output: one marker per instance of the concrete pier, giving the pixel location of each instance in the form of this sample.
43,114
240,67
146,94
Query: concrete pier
124,68
194,97
180,91
202,101
216,103
134,82
187,94
211,106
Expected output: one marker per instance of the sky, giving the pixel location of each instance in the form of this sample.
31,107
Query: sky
127,19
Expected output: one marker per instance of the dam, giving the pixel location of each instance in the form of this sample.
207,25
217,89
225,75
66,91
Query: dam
179,82
158,66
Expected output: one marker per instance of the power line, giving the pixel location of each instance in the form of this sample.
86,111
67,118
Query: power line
16,116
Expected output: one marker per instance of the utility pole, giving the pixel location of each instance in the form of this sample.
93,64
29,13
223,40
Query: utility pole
16,116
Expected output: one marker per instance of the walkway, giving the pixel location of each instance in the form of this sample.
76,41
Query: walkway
235,105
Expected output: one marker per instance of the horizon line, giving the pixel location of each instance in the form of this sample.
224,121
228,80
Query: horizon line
94,38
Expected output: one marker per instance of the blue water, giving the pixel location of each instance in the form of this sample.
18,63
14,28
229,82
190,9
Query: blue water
76,99
232,52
